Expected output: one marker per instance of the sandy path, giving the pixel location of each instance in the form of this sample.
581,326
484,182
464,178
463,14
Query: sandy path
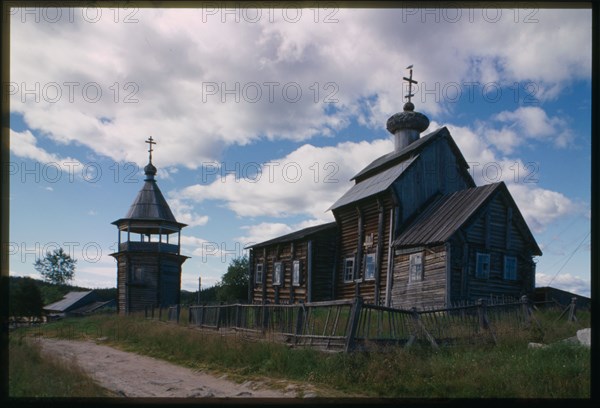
134,375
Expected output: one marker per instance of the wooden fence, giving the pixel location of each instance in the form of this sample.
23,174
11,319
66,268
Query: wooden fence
347,325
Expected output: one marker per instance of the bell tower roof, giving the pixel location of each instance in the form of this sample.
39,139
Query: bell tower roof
150,205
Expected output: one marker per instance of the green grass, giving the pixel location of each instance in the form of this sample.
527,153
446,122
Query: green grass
508,369
32,374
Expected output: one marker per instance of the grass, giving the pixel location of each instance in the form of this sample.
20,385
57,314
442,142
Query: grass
508,369
32,374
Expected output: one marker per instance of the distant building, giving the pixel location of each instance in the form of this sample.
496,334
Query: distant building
413,231
148,258
78,304
562,297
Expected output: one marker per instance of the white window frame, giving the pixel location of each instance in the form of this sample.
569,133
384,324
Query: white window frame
258,275
415,267
296,273
370,266
481,260
277,273
510,267
346,261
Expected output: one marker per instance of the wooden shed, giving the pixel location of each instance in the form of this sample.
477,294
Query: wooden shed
296,267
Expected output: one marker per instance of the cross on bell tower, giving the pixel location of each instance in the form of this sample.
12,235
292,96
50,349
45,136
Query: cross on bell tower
148,256
151,142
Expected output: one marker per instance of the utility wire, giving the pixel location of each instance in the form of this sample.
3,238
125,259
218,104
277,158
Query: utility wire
569,258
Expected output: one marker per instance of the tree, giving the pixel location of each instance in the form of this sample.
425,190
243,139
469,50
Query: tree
234,283
56,267
26,300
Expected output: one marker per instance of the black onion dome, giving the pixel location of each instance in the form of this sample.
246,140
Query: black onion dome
150,171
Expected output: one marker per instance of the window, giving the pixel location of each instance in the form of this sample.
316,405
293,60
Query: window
370,266
348,269
510,268
415,268
258,276
483,265
296,273
138,274
277,273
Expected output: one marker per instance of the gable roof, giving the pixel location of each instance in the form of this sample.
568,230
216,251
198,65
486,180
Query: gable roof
375,184
68,301
448,213
415,147
293,236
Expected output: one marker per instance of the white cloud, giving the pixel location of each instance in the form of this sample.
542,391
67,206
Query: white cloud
184,212
528,123
168,81
306,181
565,281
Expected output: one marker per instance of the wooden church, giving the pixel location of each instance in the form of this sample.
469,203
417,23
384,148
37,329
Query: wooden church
149,243
413,231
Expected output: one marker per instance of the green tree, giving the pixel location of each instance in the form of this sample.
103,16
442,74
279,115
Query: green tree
234,283
26,300
56,267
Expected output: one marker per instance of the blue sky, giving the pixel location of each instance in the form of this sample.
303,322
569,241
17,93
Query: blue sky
261,117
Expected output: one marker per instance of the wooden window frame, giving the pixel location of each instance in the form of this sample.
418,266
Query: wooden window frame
296,273
346,260
513,276
278,273
259,277
478,272
372,255
413,275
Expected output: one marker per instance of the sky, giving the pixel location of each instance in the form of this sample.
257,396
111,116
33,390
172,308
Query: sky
262,117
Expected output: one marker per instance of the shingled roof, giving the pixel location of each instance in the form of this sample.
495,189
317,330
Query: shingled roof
293,236
448,213
375,184
150,204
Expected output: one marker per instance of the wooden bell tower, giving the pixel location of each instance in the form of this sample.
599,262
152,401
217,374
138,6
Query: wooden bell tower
148,258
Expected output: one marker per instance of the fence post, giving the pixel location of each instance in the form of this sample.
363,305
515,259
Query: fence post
527,312
219,315
178,312
238,316
418,327
152,311
299,322
189,315
354,318
159,313
572,308
265,322
146,312
202,311
484,323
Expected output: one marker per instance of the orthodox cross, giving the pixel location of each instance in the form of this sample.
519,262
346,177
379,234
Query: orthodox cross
410,82
150,142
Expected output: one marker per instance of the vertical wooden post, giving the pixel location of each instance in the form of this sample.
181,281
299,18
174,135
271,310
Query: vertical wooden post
309,271
178,312
159,313
299,322
353,324
190,315
525,309
572,308
379,250
483,319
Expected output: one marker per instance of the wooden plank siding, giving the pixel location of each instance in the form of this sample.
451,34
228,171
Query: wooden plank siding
375,213
435,171
320,263
431,290
159,286
504,239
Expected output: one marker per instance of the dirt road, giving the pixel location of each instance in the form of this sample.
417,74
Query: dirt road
133,375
